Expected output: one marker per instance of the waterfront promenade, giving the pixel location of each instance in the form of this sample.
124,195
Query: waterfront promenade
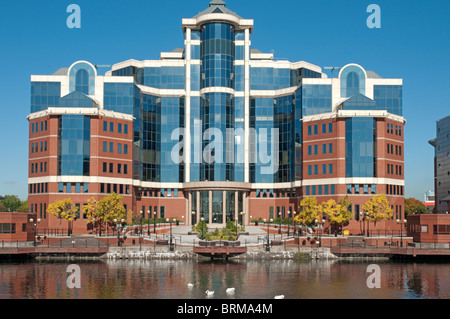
256,242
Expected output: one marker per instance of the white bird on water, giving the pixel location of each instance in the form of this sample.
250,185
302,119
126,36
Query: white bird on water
279,297
230,290
209,292
190,285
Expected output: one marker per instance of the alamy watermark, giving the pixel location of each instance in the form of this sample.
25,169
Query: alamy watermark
74,279
74,19
212,146
374,19
374,279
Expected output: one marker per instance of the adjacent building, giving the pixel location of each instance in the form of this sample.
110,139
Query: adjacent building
441,146
217,130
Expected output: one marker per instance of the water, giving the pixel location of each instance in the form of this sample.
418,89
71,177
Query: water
140,279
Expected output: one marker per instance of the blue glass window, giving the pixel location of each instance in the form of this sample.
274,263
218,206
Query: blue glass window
315,99
353,81
359,147
105,147
82,81
74,145
330,168
111,127
119,97
105,126
44,95
111,147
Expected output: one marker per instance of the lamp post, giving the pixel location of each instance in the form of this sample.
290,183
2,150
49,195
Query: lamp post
368,223
401,230
170,238
142,219
242,218
202,220
154,222
267,241
35,229
321,230
295,230
194,220
149,213
118,229
279,229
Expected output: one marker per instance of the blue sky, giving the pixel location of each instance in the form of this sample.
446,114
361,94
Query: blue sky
413,43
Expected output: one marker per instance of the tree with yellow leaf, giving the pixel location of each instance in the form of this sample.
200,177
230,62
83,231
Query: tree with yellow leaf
308,212
336,213
64,209
377,209
104,211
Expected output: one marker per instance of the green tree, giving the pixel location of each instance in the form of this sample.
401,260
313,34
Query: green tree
413,205
12,203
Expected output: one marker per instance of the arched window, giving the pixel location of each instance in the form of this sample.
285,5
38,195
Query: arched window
353,80
352,84
82,78
82,81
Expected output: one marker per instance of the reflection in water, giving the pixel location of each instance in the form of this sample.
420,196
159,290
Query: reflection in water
144,279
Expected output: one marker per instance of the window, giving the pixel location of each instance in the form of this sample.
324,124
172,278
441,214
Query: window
77,188
125,149
324,128
125,128
324,169
7,228
366,189
373,189
333,189
105,167
111,127
82,81
119,128
69,188
316,169
111,147
105,147
315,130
119,168
309,169
105,126
330,168
125,168
309,130
308,191
349,188
86,188
309,149
60,187
316,149
324,148
330,127
119,148
111,167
